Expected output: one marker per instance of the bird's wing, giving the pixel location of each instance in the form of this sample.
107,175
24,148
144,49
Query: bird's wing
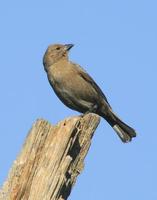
89,79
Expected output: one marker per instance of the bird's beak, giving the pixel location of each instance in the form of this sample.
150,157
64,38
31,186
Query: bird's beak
68,46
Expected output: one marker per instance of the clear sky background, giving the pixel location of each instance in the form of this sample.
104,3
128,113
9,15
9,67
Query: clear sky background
116,42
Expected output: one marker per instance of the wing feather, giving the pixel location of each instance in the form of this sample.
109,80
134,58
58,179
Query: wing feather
89,79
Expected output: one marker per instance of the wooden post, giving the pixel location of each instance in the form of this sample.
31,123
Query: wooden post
51,159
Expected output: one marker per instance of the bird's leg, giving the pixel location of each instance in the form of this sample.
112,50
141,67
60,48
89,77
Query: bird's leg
92,109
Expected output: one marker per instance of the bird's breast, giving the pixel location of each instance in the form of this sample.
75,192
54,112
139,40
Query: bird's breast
71,87
60,75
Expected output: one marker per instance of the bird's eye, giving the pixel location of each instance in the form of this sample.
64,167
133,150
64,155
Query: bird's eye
58,48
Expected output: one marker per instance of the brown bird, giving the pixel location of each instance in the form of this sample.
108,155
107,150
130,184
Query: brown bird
77,90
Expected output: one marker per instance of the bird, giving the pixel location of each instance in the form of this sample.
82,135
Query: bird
78,91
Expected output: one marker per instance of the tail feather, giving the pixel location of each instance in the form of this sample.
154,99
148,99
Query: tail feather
125,132
125,136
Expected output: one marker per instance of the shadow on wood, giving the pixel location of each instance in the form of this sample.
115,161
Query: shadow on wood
51,159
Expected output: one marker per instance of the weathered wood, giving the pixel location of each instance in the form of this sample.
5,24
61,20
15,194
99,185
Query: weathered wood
51,159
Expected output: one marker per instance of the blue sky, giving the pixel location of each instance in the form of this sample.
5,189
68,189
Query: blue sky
116,42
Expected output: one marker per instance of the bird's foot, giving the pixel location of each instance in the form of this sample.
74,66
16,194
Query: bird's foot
93,109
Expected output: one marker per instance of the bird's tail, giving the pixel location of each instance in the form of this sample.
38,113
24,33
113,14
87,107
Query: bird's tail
125,132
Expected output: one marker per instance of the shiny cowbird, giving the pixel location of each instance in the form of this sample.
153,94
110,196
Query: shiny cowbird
77,90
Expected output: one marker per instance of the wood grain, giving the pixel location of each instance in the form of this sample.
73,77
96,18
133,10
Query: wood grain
51,159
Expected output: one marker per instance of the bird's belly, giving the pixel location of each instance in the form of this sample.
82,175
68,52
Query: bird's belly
73,91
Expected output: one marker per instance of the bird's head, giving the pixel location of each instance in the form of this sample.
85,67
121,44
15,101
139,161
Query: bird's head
56,52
